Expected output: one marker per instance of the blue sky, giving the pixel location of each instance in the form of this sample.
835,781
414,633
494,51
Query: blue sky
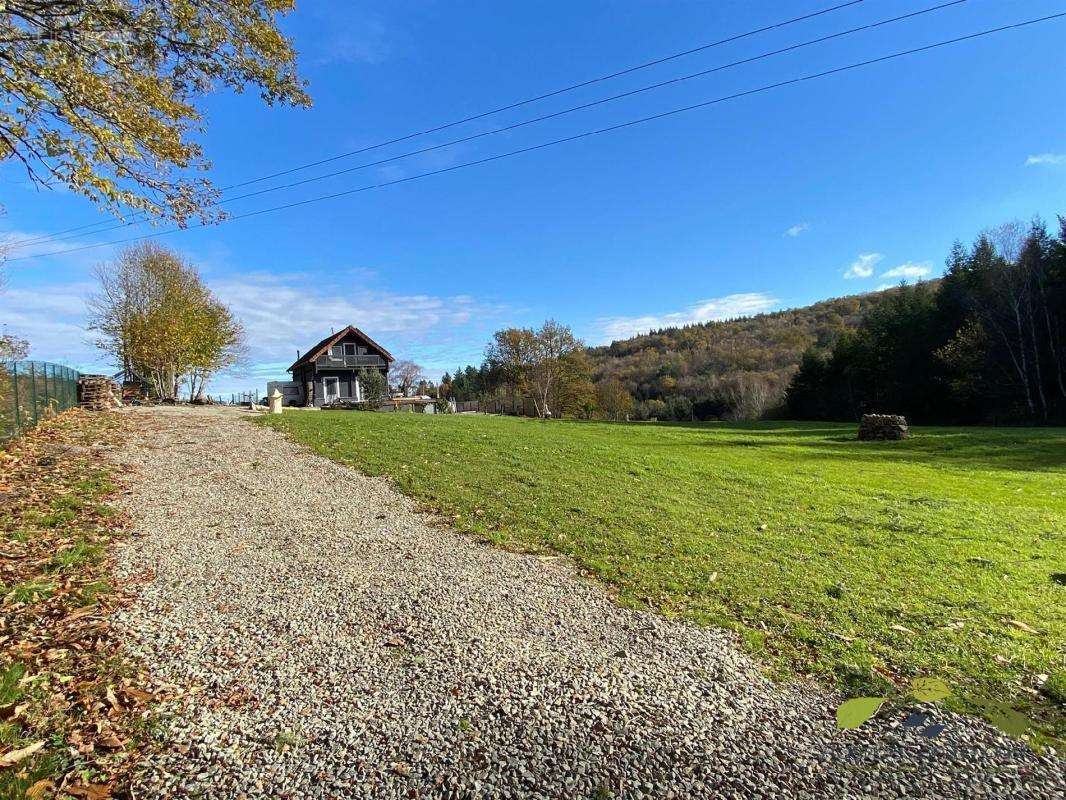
827,188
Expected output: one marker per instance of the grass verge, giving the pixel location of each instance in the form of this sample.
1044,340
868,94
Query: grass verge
865,563
71,710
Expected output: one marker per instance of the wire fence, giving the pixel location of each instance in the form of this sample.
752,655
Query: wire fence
31,391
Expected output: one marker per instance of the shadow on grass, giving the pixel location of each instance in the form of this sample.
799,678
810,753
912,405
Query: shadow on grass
1028,449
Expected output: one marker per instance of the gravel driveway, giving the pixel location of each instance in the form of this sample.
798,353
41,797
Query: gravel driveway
338,644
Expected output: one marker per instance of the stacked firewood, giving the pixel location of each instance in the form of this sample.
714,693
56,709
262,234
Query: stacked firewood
883,426
98,393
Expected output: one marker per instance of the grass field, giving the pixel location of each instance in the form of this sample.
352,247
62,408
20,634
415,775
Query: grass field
868,563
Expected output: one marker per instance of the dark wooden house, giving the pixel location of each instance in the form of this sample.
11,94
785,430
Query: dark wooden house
330,370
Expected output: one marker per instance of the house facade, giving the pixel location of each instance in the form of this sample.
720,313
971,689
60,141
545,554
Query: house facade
330,370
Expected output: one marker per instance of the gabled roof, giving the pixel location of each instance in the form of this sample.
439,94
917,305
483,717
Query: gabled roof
332,339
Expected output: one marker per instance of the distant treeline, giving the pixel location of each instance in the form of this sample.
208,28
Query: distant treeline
733,369
987,343
984,344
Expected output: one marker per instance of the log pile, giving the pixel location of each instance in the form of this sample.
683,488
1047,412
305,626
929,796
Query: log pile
879,427
98,393
134,392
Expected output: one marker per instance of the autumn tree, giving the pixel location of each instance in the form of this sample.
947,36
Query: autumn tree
511,354
573,393
548,365
12,347
406,375
554,364
100,96
159,322
613,400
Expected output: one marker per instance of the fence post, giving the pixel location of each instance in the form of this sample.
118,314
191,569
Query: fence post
33,390
15,396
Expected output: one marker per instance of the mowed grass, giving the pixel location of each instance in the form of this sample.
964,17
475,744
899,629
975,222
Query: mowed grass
868,563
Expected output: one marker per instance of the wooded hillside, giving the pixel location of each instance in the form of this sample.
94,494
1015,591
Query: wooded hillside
736,368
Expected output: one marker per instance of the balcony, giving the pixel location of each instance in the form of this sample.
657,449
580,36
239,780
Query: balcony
349,362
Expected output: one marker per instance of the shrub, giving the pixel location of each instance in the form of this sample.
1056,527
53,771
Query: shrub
375,387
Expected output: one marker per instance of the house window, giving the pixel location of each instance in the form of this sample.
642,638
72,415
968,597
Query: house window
335,351
349,348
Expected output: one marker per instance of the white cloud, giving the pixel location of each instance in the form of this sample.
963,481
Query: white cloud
863,266
17,245
281,314
734,305
52,319
796,230
1046,159
288,313
359,40
909,271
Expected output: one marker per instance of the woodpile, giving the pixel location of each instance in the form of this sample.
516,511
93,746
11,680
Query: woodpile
134,392
98,393
879,427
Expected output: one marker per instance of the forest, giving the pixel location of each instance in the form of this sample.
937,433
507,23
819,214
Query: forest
983,344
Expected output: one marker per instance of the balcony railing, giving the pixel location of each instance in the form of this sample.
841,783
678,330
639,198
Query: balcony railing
349,362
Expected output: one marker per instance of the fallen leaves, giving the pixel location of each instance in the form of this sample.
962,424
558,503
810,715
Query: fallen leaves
929,690
40,789
90,791
15,756
853,713
1017,623
69,685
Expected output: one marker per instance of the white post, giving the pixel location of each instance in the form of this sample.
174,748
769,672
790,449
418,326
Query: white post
274,401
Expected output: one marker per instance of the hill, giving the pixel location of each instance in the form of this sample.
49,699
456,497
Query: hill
736,369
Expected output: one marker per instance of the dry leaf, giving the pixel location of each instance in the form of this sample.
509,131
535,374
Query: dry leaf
91,791
902,629
15,756
1023,627
39,789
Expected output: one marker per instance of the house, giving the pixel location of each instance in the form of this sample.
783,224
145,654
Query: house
330,370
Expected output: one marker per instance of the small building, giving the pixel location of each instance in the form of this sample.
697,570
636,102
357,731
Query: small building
330,370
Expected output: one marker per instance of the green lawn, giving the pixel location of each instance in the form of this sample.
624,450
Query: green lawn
942,555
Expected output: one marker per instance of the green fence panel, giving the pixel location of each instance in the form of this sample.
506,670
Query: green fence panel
31,391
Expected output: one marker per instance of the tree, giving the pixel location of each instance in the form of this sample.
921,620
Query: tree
573,393
406,375
613,399
554,349
511,354
984,344
100,95
159,322
12,348
374,386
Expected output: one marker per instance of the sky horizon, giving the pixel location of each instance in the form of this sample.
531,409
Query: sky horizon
824,188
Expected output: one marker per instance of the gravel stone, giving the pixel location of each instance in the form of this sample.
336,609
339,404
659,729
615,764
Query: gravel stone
334,642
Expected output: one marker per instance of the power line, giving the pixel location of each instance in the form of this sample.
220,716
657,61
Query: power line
582,107
483,114
557,92
594,103
579,136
